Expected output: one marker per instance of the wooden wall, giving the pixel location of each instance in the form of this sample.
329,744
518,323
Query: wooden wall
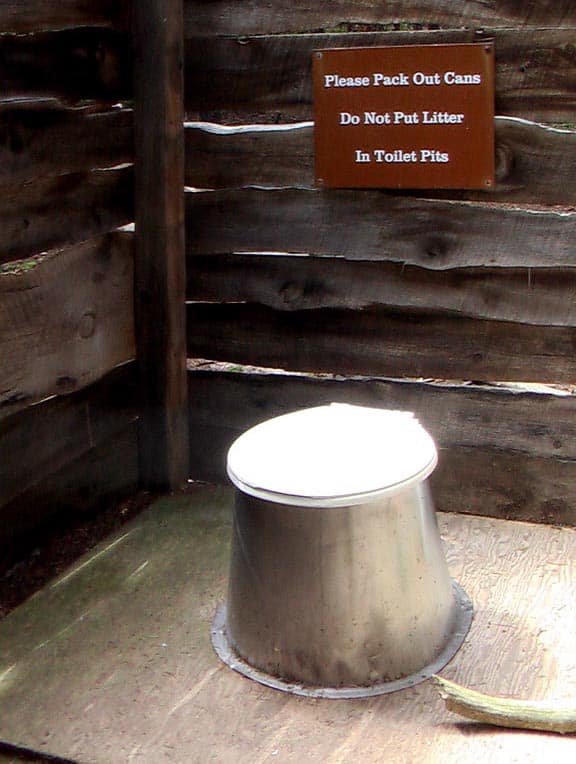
372,296
67,403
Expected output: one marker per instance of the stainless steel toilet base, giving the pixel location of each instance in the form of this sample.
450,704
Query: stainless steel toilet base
225,651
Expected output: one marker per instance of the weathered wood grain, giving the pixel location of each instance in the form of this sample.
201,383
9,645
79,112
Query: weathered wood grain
66,322
271,76
72,64
381,342
502,453
160,256
465,415
532,296
103,475
497,483
375,225
37,142
222,17
222,156
39,15
43,439
534,163
59,210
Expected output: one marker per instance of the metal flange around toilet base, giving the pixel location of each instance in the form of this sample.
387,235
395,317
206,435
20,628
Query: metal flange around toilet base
228,655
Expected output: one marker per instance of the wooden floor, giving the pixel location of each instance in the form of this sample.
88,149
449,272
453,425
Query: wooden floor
112,663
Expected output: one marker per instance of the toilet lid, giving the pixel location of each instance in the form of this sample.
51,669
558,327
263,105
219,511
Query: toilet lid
333,455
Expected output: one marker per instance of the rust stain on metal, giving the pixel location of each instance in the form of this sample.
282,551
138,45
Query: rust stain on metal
411,116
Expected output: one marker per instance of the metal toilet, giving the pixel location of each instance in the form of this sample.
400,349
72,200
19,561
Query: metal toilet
338,583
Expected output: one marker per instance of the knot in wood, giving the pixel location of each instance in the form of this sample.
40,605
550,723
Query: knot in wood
504,161
569,51
290,292
87,325
436,246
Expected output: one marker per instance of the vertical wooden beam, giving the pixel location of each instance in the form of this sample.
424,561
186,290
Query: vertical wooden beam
160,276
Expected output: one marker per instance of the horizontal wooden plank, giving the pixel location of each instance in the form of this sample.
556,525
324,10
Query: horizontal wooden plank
222,17
39,15
66,322
507,485
473,481
269,78
470,416
502,453
534,163
60,210
72,64
104,474
381,342
223,156
374,225
537,296
44,439
35,142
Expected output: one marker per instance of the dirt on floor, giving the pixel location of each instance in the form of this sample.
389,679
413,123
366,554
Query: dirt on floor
28,567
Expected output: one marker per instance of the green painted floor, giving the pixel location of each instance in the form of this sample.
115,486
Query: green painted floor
112,662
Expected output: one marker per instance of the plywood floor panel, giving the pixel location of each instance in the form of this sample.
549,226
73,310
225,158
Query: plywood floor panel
112,662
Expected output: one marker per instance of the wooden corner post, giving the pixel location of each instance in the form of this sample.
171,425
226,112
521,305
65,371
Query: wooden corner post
160,269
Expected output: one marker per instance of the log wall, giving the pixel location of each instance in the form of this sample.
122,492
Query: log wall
503,453
365,296
373,296
67,404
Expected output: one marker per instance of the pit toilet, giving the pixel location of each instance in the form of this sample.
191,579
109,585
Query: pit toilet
338,584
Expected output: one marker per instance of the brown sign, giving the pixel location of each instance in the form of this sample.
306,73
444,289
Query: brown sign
413,116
